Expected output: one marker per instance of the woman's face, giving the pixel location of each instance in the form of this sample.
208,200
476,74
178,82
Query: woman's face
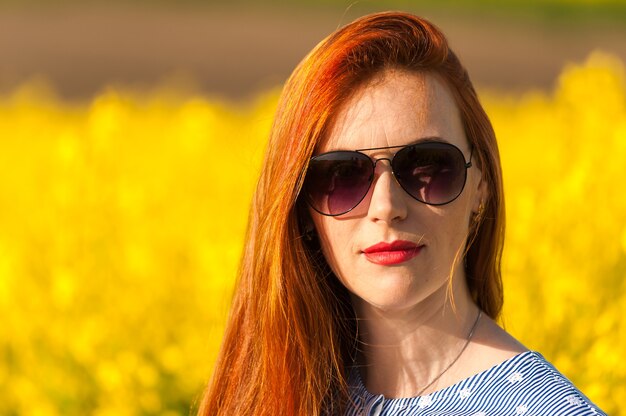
397,108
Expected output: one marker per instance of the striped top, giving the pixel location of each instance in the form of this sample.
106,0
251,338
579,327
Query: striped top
523,385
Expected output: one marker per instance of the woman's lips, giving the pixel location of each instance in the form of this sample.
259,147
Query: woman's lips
396,252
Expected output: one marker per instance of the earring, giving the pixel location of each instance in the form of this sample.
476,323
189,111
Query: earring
479,214
481,209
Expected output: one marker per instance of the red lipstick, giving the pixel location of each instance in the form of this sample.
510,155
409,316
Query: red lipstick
388,254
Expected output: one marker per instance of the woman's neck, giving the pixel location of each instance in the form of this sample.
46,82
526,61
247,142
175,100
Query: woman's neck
403,351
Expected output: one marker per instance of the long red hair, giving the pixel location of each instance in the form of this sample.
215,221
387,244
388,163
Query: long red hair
291,329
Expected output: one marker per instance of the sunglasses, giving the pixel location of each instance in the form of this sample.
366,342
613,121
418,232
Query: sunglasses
431,172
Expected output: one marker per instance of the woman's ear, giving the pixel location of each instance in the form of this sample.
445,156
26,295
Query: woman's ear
480,196
478,206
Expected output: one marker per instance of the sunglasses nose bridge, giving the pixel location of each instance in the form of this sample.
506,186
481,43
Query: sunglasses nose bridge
390,167
379,159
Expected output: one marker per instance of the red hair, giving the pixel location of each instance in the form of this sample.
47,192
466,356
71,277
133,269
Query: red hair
291,328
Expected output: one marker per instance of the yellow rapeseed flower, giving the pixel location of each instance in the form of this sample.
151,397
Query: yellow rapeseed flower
123,222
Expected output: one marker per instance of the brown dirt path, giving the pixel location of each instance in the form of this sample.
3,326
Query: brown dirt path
236,52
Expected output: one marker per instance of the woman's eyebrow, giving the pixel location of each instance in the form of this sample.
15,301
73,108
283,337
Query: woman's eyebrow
418,140
426,139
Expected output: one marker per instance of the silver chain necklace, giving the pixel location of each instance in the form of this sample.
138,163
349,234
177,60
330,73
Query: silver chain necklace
433,381
469,338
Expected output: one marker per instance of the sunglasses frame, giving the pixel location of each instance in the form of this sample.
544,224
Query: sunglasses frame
374,161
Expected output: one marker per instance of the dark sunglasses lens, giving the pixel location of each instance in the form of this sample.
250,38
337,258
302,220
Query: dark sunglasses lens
337,181
433,173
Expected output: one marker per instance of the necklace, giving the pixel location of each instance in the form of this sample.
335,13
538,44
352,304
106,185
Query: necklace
469,338
433,381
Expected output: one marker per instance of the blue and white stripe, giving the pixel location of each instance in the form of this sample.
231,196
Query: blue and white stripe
525,385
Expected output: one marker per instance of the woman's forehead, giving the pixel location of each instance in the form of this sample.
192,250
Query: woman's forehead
396,107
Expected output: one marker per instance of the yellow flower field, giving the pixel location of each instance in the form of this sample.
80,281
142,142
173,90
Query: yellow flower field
121,225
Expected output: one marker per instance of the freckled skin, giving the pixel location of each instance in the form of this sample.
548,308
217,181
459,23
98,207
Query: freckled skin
396,108
415,316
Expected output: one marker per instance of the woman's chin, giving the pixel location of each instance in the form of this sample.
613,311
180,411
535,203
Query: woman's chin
397,294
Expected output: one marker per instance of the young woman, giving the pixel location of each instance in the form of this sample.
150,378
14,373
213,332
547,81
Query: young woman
371,278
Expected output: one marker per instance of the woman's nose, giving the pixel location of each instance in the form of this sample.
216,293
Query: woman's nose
387,202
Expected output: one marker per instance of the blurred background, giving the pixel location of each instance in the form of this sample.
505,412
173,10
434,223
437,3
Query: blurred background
121,223
235,49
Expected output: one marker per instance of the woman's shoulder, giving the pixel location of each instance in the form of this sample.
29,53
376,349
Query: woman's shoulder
511,377
529,384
